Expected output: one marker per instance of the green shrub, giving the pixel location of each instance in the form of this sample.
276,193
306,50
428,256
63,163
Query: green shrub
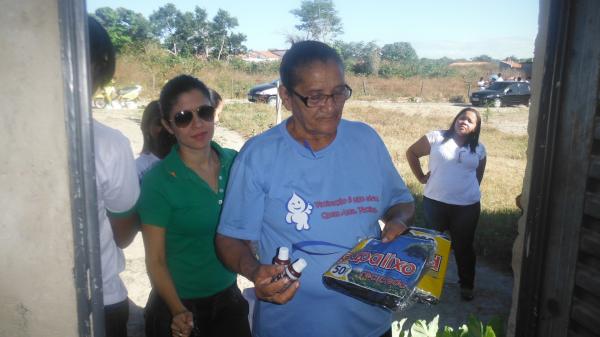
473,328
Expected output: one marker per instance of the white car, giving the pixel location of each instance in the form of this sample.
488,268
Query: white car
264,93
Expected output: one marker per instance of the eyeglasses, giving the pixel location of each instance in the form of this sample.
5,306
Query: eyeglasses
339,96
182,119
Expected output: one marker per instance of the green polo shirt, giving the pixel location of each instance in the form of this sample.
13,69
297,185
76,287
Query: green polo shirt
176,198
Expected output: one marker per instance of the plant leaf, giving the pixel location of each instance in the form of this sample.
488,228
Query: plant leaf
475,327
397,327
432,327
489,332
497,324
419,329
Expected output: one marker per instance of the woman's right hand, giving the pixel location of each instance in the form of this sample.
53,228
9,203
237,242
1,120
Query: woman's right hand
424,178
182,324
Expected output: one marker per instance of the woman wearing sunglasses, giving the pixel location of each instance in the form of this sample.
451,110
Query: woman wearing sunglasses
193,294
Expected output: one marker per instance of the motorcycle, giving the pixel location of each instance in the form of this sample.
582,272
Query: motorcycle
126,97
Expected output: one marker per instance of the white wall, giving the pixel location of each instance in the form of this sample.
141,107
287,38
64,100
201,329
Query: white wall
37,290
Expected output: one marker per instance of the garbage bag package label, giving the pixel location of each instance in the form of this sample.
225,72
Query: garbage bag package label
383,274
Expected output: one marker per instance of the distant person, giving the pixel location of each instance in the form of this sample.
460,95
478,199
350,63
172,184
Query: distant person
117,188
218,101
519,79
451,199
481,83
157,141
528,79
499,78
277,182
180,205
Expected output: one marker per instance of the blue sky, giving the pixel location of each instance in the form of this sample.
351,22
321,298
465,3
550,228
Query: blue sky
435,28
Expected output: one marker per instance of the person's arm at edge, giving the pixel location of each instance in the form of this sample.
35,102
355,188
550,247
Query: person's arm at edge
124,227
481,169
156,264
417,150
237,256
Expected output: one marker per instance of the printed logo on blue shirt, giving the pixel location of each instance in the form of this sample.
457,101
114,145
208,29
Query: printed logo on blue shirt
298,212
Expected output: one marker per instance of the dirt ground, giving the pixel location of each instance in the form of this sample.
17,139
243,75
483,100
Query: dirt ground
493,286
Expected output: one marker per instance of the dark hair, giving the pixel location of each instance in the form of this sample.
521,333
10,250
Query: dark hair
215,98
149,117
473,137
177,86
303,53
161,145
102,54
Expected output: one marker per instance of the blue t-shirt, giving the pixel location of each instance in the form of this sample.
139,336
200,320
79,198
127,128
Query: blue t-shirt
318,204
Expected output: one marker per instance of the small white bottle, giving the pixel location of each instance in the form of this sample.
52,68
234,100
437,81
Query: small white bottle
283,257
294,270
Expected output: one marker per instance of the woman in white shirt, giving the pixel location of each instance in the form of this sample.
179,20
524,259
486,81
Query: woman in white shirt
451,199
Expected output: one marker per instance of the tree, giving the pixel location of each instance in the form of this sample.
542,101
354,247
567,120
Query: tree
221,32
236,44
398,51
360,57
192,32
125,27
482,58
164,24
318,19
201,32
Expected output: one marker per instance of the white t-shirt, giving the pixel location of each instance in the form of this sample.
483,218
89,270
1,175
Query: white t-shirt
144,163
453,178
117,192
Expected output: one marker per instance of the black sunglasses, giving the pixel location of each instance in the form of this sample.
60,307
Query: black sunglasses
182,119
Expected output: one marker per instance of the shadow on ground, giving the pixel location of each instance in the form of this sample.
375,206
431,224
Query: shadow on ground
493,294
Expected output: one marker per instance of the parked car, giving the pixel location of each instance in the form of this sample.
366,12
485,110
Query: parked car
264,93
503,93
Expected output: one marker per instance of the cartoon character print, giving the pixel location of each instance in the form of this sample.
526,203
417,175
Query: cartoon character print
298,212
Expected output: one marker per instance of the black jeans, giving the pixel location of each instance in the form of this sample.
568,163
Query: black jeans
461,221
115,319
223,314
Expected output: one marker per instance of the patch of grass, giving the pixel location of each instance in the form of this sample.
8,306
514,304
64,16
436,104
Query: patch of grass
502,181
249,119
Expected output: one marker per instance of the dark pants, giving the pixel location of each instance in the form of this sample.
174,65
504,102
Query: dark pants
223,314
115,319
461,221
